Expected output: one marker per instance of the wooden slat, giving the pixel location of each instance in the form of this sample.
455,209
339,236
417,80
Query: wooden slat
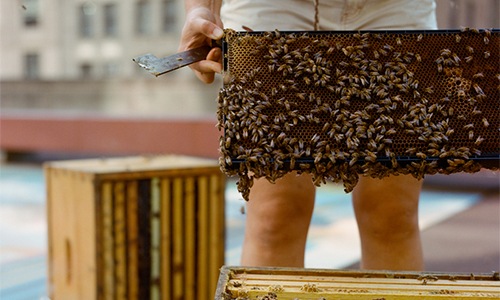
144,237
203,238
166,239
84,252
189,238
141,167
178,239
69,263
132,241
107,242
216,208
427,279
155,239
120,242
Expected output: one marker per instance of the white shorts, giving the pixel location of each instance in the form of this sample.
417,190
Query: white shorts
298,15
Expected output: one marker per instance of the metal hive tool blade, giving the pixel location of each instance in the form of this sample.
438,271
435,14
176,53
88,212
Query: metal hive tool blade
159,66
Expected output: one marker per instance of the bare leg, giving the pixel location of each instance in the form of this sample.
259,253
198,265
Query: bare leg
278,218
387,215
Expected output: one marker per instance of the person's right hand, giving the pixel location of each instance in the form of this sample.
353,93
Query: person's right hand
201,27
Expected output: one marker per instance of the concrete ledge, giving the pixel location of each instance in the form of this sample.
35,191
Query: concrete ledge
109,135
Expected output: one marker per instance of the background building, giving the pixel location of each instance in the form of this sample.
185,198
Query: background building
76,56
75,39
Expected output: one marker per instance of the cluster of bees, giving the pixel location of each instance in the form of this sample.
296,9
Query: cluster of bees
337,105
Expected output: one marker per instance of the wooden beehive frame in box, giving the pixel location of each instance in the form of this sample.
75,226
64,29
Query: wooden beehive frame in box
300,284
135,228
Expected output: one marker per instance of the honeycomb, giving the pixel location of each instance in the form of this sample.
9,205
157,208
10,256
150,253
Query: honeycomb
342,104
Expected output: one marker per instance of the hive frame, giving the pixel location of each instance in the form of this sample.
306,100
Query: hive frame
462,102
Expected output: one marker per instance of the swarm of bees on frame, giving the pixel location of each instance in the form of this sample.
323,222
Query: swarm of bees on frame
340,105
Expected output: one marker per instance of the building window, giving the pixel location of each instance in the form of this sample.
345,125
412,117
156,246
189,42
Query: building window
31,66
31,12
86,16
143,17
168,17
86,71
111,20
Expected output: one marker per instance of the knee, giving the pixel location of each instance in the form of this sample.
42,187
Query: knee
387,209
389,225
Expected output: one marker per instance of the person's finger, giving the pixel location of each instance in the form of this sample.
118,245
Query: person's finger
205,77
207,66
215,55
211,64
207,28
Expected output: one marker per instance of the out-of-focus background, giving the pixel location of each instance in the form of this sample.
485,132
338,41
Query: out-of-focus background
69,89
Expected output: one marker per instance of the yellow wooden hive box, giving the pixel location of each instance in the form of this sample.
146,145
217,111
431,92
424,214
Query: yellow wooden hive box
135,228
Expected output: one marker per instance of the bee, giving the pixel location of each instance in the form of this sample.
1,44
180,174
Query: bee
468,126
228,142
370,157
420,37
475,111
398,41
486,54
471,134
478,141
478,89
485,122
469,49
421,155
458,38
478,75
445,52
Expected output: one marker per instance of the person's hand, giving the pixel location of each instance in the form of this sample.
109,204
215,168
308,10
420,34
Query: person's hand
202,26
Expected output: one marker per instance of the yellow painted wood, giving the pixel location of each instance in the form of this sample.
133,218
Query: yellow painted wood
120,240
203,237
287,283
132,245
189,238
72,270
108,275
216,230
155,230
166,239
178,239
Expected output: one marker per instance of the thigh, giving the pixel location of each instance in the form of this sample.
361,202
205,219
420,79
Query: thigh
291,195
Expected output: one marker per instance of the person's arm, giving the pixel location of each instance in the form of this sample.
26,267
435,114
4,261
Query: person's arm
201,26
